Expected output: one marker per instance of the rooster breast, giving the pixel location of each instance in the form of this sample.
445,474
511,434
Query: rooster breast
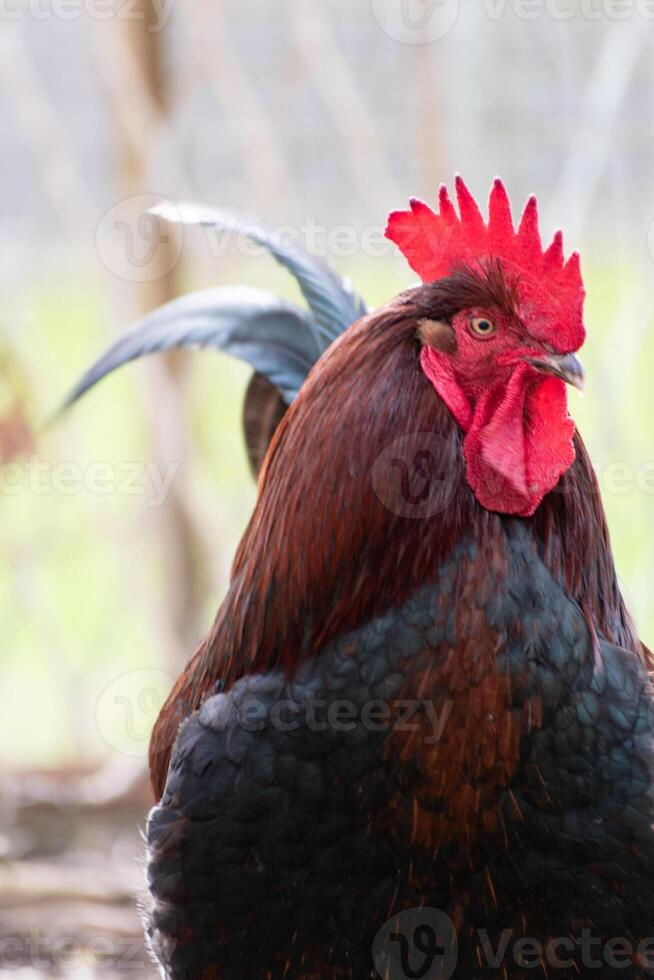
477,750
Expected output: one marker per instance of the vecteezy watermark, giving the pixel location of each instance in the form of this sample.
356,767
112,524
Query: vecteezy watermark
618,478
416,475
416,943
41,478
39,10
128,708
427,21
416,21
136,245
313,714
140,246
45,952
585,949
336,241
569,9
422,942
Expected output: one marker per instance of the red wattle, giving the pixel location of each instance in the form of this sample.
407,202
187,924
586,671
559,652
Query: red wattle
519,436
520,442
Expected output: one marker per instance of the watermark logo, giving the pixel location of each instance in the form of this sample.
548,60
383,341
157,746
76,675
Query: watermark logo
128,708
416,21
422,943
411,477
156,18
135,245
426,21
315,714
39,477
564,10
328,242
46,952
416,944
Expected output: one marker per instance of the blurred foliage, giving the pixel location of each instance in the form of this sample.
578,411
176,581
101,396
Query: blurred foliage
81,571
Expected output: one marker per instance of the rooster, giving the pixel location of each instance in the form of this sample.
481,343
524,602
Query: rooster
417,740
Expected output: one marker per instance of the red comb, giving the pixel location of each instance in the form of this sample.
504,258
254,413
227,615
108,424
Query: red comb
550,289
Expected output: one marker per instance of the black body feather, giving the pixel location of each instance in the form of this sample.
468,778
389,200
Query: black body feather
277,853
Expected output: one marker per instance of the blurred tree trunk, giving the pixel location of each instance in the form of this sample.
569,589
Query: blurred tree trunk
180,542
428,90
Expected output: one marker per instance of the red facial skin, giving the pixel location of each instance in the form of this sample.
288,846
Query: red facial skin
518,432
481,362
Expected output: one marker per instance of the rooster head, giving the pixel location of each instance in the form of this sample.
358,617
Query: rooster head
499,320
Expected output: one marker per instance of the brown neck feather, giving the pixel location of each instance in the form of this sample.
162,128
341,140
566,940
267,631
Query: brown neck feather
323,554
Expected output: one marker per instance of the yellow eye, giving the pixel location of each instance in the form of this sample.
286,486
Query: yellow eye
481,326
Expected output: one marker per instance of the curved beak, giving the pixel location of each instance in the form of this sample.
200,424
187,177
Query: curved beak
568,367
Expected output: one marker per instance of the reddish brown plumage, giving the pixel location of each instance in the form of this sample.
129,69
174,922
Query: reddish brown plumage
322,553
498,765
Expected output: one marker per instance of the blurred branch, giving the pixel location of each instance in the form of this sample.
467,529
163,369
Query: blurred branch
602,100
139,95
329,71
136,92
225,73
428,93
40,123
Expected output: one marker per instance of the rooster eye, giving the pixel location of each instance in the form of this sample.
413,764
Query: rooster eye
481,326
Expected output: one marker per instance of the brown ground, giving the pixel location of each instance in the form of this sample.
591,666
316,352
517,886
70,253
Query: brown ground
71,876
